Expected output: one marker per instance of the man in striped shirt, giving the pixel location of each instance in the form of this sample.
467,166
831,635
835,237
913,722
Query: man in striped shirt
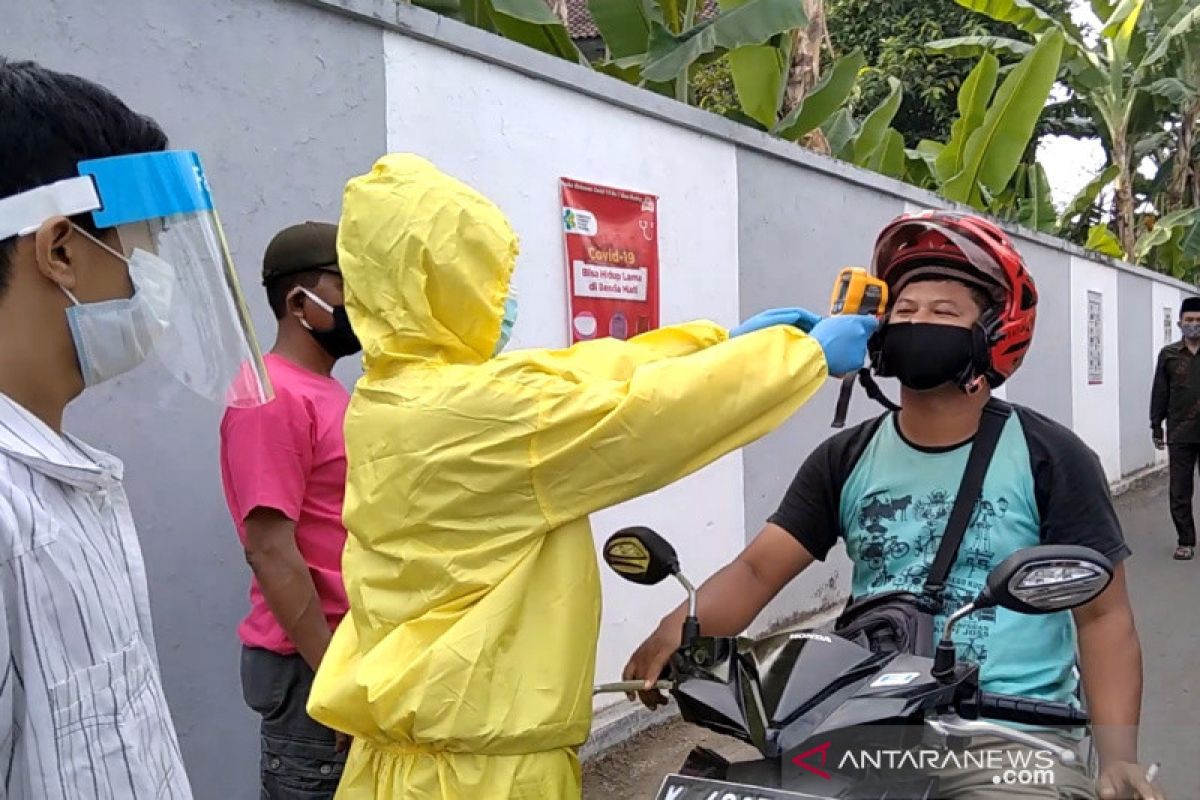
85,297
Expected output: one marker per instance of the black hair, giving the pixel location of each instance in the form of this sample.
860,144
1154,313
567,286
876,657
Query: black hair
49,122
279,289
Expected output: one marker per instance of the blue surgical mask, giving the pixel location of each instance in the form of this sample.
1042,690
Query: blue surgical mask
114,336
507,323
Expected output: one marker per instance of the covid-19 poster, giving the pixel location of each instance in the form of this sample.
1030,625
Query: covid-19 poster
612,260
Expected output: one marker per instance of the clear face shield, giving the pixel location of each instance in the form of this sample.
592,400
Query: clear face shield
162,211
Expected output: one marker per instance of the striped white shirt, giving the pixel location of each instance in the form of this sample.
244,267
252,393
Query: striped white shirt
82,709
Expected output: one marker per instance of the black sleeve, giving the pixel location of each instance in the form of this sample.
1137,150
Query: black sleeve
1160,396
810,508
1071,489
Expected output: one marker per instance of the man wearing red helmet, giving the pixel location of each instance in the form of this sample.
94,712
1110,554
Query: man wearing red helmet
959,324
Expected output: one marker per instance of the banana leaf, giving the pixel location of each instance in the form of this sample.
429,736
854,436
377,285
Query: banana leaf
975,46
1179,24
996,147
973,98
1163,231
1035,210
875,127
889,158
532,23
669,56
1104,241
839,131
624,25
825,99
1086,197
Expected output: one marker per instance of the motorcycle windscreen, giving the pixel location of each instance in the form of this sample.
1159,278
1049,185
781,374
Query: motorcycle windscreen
160,202
801,672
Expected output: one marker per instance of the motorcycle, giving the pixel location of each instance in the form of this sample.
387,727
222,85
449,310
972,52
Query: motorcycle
799,695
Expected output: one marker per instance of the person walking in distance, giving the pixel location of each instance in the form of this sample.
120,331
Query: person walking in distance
1176,401
284,470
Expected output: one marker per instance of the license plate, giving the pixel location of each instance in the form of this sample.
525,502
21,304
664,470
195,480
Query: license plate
682,787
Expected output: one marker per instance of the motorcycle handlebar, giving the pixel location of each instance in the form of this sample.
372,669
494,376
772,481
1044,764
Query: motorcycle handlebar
1030,712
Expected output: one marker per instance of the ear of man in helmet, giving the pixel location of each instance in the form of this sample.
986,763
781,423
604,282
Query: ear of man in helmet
963,307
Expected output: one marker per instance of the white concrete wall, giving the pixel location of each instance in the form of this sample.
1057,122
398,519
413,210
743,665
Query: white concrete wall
1094,406
488,127
1165,301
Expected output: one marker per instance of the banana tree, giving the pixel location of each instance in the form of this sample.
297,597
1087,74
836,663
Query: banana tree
1028,200
1181,91
531,22
988,139
1085,200
1117,76
870,142
650,43
1172,245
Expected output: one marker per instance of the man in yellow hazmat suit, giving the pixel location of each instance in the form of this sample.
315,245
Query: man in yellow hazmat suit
465,665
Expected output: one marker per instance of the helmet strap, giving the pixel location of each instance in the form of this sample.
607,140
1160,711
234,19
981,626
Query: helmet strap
982,338
867,381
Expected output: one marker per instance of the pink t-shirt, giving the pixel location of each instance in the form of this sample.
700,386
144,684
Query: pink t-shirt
290,455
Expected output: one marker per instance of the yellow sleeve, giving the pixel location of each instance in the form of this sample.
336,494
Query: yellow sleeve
617,360
599,443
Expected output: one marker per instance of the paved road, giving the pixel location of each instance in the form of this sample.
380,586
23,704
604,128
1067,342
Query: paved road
1166,599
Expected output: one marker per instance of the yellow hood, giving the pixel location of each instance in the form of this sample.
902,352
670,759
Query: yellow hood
427,263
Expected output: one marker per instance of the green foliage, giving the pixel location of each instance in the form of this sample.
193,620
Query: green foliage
1138,78
948,95
993,151
893,34
713,88
670,55
824,100
1101,239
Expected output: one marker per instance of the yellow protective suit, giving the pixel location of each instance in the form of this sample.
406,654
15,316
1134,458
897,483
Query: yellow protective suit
464,668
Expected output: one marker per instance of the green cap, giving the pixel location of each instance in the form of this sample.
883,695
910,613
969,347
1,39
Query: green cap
301,248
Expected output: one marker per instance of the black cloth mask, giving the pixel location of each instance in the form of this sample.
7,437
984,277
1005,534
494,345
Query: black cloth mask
339,340
924,356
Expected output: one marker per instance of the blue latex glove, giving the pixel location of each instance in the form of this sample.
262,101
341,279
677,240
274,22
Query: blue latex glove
844,340
799,317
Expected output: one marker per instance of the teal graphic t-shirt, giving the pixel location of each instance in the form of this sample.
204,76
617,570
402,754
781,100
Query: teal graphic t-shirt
889,500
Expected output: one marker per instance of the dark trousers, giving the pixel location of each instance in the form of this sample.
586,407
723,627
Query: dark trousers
299,756
1184,459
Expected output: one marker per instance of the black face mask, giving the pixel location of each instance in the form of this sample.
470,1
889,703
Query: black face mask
924,356
339,340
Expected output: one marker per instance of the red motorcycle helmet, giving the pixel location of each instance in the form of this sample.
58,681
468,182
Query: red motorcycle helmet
971,249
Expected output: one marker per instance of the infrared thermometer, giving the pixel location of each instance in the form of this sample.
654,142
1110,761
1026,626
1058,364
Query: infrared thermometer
855,291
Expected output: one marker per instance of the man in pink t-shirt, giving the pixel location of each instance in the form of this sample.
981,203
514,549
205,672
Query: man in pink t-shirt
284,469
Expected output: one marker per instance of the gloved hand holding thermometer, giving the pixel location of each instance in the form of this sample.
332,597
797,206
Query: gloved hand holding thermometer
801,318
857,299
844,340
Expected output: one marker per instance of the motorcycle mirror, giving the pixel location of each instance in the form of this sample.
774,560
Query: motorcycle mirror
640,555
1047,578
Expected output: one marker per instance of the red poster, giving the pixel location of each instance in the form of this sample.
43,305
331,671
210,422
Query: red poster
612,260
